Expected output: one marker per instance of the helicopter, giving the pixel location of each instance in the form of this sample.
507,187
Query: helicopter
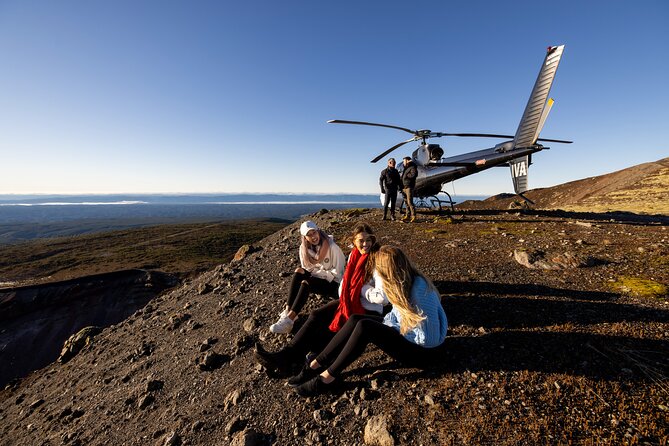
434,170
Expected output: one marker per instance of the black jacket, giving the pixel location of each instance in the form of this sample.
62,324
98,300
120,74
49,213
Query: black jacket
409,175
390,180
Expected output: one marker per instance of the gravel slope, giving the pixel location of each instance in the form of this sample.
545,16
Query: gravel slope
573,355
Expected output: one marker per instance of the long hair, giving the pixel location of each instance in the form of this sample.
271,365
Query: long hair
369,266
308,250
398,274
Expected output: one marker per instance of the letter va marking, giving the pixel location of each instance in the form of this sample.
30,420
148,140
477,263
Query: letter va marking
519,169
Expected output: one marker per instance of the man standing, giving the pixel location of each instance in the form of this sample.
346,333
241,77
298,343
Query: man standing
408,183
390,183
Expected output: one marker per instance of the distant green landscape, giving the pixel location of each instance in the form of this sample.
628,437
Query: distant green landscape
181,249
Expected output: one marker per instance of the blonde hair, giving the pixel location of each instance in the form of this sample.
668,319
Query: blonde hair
398,274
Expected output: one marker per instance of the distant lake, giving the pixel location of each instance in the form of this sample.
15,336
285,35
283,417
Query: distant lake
24,217
58,208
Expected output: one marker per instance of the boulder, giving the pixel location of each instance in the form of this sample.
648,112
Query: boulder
534,259
376,432
247,437
76,342
243,252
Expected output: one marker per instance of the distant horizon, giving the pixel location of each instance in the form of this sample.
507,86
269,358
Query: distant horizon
36,214
176,194
184,193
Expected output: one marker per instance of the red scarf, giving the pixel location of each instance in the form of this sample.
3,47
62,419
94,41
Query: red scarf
349,299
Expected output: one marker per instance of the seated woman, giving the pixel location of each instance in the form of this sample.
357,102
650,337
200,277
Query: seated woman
416,324
357,295
321,272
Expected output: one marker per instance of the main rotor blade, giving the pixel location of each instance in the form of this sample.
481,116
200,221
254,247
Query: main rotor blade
391,149
475,135
492,135
555,140
340,121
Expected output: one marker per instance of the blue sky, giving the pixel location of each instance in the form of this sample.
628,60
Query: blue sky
166,96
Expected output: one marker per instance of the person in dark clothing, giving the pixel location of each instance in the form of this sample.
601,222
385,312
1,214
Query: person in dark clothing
408,184
390,183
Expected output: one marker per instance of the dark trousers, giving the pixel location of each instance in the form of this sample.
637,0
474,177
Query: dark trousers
304,283
350,342
391,197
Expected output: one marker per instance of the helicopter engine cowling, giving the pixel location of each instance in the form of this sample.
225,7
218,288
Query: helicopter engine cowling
436,152
426,153
504,147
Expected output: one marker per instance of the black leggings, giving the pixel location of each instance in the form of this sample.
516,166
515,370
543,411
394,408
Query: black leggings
350,342
315,332
303,284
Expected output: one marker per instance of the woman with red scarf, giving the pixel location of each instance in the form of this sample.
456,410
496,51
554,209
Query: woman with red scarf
357,295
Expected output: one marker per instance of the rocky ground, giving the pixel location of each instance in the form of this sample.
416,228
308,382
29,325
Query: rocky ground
559,334
640,189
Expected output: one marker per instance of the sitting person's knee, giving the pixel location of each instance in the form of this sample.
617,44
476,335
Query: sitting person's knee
299,270
365,324
356,318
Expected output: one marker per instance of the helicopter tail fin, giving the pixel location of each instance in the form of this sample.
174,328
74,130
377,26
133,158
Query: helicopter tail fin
519,168
537,108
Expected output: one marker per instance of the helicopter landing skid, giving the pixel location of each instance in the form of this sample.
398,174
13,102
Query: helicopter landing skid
433,204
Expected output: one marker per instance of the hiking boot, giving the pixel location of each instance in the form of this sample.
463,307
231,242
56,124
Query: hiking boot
283,326
305,375
306,372
314,387
273,361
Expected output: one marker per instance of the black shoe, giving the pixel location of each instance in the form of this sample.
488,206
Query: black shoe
384,218
313,387
305,375
273,361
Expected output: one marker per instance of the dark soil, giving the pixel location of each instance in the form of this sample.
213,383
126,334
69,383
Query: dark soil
576,355
180,249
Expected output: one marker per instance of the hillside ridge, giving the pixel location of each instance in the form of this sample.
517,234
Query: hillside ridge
641,189
534,356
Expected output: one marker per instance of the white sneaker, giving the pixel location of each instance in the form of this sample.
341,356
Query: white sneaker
284,313
282,326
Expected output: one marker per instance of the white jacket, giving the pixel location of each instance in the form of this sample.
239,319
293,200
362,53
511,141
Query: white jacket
372,296
332,266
